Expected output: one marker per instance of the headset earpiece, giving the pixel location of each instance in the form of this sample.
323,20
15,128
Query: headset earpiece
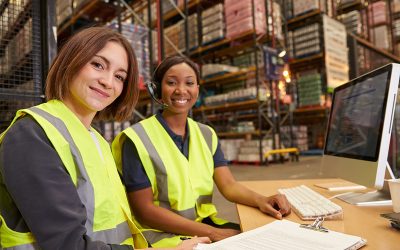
152,89
154,93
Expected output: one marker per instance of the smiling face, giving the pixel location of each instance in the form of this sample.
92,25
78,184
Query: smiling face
99,82
179,88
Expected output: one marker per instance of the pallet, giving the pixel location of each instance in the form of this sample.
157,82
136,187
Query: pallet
254,163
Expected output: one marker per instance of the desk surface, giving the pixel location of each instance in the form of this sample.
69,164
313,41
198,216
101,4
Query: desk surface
365,222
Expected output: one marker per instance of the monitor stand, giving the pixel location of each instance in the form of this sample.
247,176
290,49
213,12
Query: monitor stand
374,198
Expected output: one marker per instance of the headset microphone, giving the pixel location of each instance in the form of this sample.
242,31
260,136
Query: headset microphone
150,86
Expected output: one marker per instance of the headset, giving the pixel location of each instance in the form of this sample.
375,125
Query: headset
154,89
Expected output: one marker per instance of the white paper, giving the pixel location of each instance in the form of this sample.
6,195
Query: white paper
285,234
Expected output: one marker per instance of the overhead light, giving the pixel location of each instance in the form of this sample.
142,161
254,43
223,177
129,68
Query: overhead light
282,53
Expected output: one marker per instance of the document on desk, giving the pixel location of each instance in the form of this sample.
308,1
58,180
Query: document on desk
285,234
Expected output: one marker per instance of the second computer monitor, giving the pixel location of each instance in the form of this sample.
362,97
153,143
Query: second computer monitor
359,127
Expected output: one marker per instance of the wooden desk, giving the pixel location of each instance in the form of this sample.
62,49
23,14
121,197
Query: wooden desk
365,222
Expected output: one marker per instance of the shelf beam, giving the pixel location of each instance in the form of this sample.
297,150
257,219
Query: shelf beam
22,18
227,106
371,46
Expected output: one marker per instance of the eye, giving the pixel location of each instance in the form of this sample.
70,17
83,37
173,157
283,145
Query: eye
170,82
120,78
190,83
97,65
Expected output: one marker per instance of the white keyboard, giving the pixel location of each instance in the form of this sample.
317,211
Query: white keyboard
309,205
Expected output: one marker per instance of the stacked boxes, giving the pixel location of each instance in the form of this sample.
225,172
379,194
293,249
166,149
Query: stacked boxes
336,56
213,25
396,28
112,129
275,20
230,147
237,95
210,70
378,19
353,22
239,17
246,126
63,10
309,86
167,6
251,78
142,12
304,6
395,6
247,59
193,33
307,40
176,34
137,35
77,3
299,137
249,150
377,13
381,37
290,46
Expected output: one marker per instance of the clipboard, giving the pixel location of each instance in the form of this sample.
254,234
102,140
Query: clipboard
284,234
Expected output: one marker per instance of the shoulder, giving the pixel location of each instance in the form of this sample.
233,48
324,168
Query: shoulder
204,128
25,128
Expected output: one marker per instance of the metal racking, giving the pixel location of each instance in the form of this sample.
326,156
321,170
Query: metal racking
26,49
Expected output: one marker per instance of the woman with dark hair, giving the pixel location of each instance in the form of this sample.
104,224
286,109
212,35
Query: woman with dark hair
59,186
169,164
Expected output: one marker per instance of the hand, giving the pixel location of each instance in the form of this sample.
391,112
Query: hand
222,233
277,205
192,243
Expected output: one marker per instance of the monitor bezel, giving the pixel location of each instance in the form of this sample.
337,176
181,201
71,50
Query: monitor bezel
386,69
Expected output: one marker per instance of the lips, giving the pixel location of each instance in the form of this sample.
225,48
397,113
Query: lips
100,92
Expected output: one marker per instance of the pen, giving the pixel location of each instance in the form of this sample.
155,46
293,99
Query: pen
185,238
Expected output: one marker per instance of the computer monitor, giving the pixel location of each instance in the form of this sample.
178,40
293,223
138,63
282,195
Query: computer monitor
359,130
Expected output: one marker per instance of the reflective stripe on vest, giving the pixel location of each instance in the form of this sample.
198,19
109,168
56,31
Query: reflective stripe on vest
31,246
162,182
85,188
207,134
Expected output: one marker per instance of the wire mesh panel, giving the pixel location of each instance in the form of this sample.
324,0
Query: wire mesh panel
20,57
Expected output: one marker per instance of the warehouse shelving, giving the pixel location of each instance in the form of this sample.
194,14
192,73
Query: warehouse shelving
24,55
371,57
215,52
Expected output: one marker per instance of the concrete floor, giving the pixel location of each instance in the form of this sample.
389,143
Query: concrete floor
307,168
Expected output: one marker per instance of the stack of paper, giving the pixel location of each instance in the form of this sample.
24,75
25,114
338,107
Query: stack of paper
286,235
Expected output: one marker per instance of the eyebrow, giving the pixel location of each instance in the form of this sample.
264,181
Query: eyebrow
108,63
174,76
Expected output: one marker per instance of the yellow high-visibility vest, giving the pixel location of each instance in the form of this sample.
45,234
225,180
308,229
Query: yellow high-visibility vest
184,186
97,182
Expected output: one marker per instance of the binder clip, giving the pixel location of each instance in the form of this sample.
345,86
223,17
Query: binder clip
316,225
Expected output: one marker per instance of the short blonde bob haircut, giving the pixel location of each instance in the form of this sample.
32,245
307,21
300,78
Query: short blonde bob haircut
78,51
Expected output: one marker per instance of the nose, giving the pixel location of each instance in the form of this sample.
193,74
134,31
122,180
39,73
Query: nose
106,79
180,88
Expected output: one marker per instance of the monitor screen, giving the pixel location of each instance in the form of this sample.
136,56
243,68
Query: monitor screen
357,116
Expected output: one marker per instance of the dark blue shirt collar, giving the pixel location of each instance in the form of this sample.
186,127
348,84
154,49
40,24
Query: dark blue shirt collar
171,133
